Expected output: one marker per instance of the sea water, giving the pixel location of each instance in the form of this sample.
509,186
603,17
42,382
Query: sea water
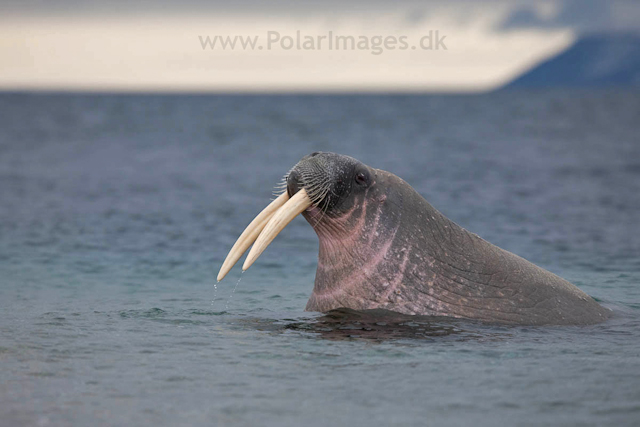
116,212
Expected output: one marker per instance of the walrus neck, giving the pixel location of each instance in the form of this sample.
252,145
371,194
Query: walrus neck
366,259
353,250
341,249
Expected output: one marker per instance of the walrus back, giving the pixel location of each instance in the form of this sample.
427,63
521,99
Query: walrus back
472,278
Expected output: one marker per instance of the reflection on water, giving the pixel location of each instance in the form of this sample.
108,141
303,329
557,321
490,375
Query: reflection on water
380,325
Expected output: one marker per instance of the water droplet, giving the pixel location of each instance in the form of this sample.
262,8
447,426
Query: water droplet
215,293
226,307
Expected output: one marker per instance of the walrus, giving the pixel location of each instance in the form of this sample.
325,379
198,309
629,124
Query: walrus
383,246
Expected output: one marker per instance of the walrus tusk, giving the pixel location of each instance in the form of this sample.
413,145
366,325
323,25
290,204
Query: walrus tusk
250,234
296,205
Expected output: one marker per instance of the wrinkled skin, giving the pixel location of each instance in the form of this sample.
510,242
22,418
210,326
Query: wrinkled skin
383,246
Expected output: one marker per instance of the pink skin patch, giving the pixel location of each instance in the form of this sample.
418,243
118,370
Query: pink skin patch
353,261
362,265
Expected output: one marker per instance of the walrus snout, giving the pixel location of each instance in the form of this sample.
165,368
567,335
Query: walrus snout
322,175
312,173
310,167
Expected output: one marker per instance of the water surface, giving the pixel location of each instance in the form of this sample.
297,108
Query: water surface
116,212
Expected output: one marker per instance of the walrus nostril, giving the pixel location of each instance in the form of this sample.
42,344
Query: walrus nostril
293,182
315,153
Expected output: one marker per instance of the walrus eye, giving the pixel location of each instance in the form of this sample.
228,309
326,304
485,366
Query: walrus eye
361,178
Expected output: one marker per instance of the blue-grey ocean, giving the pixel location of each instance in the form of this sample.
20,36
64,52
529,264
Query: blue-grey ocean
116,212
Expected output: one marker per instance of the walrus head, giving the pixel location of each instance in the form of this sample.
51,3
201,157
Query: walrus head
382,245
356,219
332,181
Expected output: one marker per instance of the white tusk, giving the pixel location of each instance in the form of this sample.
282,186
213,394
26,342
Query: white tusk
296,205
250,234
